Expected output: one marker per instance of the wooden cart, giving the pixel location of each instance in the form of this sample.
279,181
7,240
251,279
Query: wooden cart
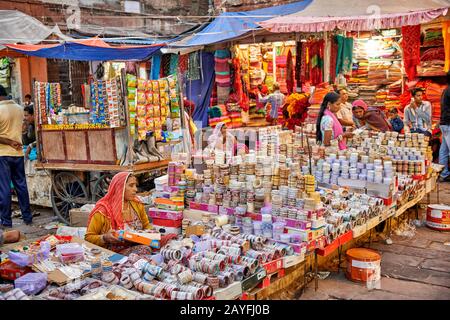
82,163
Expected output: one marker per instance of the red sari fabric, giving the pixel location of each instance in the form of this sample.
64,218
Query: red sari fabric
411,50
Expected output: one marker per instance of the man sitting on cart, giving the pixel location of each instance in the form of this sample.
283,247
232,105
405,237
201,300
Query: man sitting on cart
118,210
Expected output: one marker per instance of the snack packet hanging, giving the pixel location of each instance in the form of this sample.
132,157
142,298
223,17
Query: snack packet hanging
131,93
156,111
142,83
172,81
148,97
141,98
150,110
155,86
131,80
141,110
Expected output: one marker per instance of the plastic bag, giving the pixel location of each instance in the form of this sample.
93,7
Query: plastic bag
406,230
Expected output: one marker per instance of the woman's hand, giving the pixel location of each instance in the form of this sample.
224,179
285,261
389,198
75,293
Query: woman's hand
110,238
347,134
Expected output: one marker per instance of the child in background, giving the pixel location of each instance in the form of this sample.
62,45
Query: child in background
395,120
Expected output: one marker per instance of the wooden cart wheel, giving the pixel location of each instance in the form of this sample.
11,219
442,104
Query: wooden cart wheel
101,186
68,192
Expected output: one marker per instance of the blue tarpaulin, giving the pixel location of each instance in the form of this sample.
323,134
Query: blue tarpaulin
230,25
89,50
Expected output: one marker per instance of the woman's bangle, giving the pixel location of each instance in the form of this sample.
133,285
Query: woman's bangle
340,137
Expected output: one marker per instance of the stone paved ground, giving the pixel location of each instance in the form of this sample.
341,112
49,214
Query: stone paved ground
411,268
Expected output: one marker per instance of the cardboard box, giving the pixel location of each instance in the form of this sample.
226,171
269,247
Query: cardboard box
380,190
254,279
357,184
167,223
273,266
232,292
145,238
166,230
195,230
318,223
196,215
289,261
167,204
306,235
165,214
204,207
226,211
78,218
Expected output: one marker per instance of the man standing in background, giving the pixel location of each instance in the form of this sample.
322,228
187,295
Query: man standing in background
12,161
444,124
345,114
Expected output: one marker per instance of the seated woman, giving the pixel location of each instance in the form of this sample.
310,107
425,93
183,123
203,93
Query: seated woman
371,118
359,108
223,140
120,209
328,127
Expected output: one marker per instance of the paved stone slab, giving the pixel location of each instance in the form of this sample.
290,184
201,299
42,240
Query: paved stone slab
440,246
415,289
401,259
433,235
415,274
415,242
426,253
438,265
385,295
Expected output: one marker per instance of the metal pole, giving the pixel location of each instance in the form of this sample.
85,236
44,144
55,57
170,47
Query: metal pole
123,84
316,271
184,125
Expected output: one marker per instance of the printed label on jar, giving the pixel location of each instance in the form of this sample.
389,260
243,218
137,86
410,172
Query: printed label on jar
365,264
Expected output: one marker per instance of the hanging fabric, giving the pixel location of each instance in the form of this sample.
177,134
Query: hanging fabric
165,65
194,66
183,62
446,36
411,50
298,63
223,77
156,66
316,61
289,73
173,65
344,55
333,58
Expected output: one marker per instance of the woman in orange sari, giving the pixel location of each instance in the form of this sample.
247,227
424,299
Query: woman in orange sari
120,209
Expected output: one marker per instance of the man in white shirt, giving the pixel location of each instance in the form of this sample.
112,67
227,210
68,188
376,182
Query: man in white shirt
12,161
418,114
345,114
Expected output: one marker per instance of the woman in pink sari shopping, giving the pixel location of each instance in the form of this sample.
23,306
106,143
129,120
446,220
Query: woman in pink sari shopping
328,127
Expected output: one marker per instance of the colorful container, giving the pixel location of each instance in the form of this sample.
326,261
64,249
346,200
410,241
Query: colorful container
438,217
362,264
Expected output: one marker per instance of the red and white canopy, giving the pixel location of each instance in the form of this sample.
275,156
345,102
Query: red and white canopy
358,15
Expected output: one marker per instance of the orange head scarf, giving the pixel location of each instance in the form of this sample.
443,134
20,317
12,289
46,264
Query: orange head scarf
111,205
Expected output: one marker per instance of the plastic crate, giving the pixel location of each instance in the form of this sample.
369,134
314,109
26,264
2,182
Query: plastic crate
32,283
